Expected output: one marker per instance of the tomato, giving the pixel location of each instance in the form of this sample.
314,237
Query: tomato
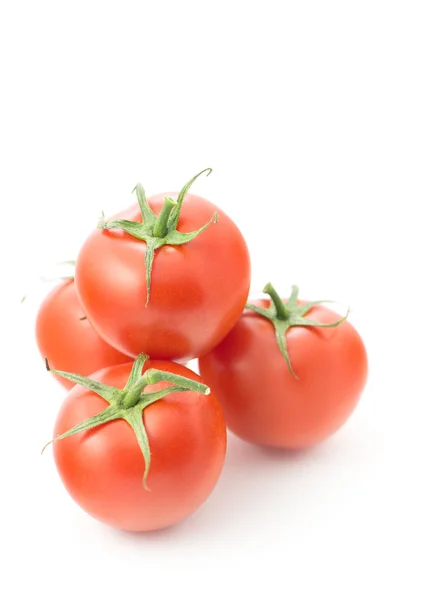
198,289
182,435
65,336
268,402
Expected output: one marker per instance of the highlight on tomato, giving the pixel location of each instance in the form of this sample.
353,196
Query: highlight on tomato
289,374
169,276
66,336
139,446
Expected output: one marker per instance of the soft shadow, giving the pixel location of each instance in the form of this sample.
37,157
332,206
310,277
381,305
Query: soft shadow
250,476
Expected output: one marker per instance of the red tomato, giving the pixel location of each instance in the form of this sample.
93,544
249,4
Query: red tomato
66,337
103,468
263,402
198,289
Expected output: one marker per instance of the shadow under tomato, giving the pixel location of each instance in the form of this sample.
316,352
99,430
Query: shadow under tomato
250,476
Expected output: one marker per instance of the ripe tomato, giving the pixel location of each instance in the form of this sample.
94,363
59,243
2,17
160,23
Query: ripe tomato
198,288
65,336
263,402
183,437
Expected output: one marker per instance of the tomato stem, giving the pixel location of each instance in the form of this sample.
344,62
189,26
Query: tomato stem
161,226
182,194
158,231
153,376
134,394
281,311
130,402
284,315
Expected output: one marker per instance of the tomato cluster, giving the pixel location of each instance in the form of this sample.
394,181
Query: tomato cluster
140,440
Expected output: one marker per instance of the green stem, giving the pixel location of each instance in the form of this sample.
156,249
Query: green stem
281,312
158,231
130,402
134,394
154,376
291,314
161,226
148,215
176,214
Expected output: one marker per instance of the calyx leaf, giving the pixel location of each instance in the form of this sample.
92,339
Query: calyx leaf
284,315
65,277
130,402
161,230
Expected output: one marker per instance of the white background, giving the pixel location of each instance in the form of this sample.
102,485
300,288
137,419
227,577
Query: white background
314,117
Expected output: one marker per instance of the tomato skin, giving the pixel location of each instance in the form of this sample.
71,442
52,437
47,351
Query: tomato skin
67,341
198,290
103,468
261,400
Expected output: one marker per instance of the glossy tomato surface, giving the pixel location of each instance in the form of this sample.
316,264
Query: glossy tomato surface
261,400
103,468
198,290
67,339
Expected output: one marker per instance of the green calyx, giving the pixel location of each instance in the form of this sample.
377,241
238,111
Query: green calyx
161,230
70,277
130,402
284,315
71,264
